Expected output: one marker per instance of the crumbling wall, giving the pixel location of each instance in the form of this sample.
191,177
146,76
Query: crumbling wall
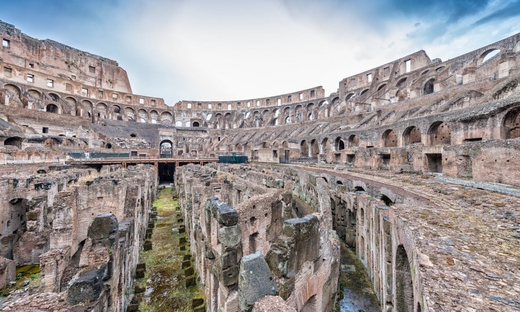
84,228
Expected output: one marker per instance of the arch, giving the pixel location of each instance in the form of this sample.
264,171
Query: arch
425,72
101,110
238,147
166,118
116,109
35,94
389,138
311,112
401,83
298,113
71,101
349,96
403,281
154,116
411,135
325,145
487,55
363,92
52,108
143,115
429,86
285,144
381,87
439,133
315,148
14,141
195,124
511,124
304,149
353,141
13,91
339,144
130,114
54,97
88,107
266,145
166,149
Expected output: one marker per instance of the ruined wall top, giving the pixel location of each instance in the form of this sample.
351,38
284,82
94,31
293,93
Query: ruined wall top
272,101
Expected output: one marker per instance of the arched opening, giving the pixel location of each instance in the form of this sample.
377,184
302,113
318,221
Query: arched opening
54,97
363,92
387,200
51,108
428,86
401,83
14,141
389,138
381,87
353,141
403,282
310,305
359,189
315,148
349,97
41,171
195,124
411,135
511,124
325,145
439,133
340,145
304,149
488,55
166,149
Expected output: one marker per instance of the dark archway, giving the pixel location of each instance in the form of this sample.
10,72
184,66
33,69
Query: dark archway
196,124
403,282
51,108
166,149
304,149
14,141
428,86
511,124
340,145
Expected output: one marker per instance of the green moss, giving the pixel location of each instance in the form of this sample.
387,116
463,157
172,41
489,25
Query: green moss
164,262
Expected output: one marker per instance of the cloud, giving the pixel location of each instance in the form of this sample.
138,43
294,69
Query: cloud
231,49
511,10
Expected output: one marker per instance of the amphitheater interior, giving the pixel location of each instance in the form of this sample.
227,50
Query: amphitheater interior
414,165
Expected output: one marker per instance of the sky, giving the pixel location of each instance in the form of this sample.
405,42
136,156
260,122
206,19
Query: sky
210,50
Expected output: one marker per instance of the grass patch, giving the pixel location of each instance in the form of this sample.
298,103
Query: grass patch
164,271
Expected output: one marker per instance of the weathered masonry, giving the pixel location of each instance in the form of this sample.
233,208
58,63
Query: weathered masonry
272,231
84,228
393,162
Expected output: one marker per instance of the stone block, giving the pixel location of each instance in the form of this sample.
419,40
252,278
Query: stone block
255,281
103,229
303,243
229,276
86,288
225,214
229,236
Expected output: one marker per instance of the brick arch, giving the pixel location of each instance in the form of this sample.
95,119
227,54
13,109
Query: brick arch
439,133
511,124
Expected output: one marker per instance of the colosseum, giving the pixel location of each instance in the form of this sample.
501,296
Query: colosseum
414,165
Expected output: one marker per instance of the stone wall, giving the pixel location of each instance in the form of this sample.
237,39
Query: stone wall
83,227
253,239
